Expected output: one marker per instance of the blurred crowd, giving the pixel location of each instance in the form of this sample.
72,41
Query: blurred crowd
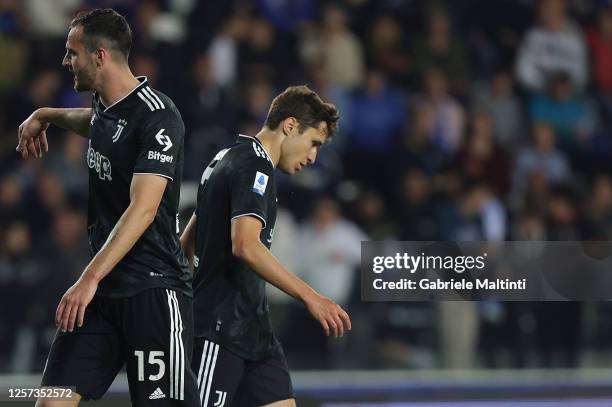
462,120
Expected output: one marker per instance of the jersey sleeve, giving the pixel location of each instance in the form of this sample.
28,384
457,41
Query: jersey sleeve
250,188
160,142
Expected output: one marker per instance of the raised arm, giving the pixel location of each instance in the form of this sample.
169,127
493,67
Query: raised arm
146,192
247,246
32,135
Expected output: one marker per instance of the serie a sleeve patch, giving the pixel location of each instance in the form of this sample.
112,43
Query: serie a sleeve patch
260,183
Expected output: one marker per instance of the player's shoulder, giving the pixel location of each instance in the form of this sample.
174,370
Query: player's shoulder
155,105
251,153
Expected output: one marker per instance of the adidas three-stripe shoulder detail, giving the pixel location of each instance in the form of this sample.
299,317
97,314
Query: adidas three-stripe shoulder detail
153,101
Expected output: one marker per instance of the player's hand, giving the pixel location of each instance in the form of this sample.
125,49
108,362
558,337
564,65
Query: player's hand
32,137
72,307
330,315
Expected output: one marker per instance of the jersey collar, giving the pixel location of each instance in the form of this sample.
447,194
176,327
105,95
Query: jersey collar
242,138
143,82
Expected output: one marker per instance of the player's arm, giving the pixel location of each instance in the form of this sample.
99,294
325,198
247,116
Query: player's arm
32,132
146,192
246,245
188,240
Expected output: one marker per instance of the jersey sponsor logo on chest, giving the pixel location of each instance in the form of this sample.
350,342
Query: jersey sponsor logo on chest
100,163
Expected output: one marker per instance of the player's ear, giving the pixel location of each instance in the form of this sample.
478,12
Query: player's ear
289,124
102,56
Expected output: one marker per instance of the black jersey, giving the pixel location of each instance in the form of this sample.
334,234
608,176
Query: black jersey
230,305
142,133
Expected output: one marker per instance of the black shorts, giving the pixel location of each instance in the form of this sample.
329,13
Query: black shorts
151,332
225,379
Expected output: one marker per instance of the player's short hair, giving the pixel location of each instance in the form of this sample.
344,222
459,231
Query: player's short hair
306,106
104,25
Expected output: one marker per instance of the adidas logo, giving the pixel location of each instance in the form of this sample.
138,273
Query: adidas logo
157,394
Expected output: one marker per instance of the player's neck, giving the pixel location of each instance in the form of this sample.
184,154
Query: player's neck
116,85
271,142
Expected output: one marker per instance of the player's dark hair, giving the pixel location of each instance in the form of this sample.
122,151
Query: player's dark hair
306,106
104,25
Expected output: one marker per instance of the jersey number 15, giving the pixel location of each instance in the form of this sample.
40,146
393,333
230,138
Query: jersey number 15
155,358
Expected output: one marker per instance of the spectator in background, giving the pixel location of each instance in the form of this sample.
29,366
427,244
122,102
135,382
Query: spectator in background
49,19
66,253
20,272
11,200
415,147
41,90
563,218
600,42
449,116
481,216
287,16
11,17
558,338
530,225
536,196
310,46
499,100
441,50
378,114
480,160
69,245
342,51
70,166
415,207
387,50
258,96
13,48
156,26
372,216
541,158
147,13
161,33
569,114
483,53
46,22
554,45
146,65
210,117
223,50
598,207
332,245
48,198
261,55
208,103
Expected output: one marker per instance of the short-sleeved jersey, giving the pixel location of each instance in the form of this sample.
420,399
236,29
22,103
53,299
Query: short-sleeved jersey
230,305
142,133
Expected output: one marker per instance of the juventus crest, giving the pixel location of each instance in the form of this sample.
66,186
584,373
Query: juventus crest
120,126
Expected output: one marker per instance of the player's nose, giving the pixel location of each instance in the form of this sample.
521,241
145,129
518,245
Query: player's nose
312,156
